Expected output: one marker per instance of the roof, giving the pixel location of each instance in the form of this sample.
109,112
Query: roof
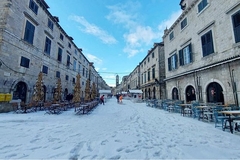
134,91
105,91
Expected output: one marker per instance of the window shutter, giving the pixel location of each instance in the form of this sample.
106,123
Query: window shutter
190,52
181,57
176,60
169,64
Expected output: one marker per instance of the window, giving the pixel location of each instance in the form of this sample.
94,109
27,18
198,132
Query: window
61,36
57,74
59,54
33,6
83,73
202,5
86,73
50,24
75,51
68,60
172,62
24,62
185,55
207,44
152,54
236,26
47,46
148,59
66,77
45,69
171,36
145,77
73,80
29,32
79,68
69,45
153,73
149,75
184,23
74,65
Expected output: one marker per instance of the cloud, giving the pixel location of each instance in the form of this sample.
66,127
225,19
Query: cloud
94,59
93,30
125,14
137,36
169,22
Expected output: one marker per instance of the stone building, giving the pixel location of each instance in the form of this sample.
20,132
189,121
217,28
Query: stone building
133,79
32,41
152,73
202,52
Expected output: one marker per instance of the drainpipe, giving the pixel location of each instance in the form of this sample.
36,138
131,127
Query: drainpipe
233,85
196,85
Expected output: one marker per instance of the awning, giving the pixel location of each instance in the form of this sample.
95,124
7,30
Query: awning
135,91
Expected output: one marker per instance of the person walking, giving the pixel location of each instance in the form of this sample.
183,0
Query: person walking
120,99
117,96
102,99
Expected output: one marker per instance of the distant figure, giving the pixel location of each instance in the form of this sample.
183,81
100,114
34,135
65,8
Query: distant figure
102,99
117,96
71,96
68,97
120,99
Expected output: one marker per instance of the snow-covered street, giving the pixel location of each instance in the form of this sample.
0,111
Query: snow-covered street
114,131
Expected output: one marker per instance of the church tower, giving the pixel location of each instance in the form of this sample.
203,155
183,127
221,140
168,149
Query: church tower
117,80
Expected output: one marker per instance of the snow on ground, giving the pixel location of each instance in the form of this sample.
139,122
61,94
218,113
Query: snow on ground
114,131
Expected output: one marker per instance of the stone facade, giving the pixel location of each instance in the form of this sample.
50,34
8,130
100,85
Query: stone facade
50,51
202,53
152,73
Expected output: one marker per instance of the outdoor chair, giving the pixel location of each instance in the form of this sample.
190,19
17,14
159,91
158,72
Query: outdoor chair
237,124
32,106
219,118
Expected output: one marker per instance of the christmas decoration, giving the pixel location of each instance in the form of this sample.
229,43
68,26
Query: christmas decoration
77,90
38,94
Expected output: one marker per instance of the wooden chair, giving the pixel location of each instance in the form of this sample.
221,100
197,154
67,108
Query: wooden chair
32,106
15,107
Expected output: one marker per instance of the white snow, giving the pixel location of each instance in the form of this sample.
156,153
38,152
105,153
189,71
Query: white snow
114,131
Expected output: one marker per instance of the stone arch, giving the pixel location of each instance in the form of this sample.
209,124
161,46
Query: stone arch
190,93
20,91
65,93
149,93
206,87
44,93
175,94
154,93
214,93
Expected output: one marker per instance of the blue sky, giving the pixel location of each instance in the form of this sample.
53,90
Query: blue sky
115,34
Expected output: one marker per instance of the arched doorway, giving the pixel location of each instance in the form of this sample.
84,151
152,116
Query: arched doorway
175,94
65,93
190,94
149,93
20,91
145,94
154,93
215,93
44,92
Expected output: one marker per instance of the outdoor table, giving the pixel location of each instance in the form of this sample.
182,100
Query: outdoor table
54,108
170,106
186,107
231,117
202,111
